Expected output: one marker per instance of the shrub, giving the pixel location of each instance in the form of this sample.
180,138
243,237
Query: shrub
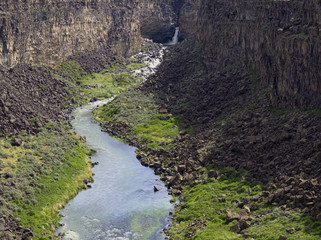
3,154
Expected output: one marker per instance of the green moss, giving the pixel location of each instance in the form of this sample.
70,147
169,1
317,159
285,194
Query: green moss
158,130
72,69
144,48
47,170
277,222
201,203
133,59
133,108
60,186
139,112
34,121
277,111
105,85
3,154
135,66
147,223
312,112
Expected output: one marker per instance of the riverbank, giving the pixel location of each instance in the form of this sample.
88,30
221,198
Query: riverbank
121,202
216,213
39,174
93,87
185,137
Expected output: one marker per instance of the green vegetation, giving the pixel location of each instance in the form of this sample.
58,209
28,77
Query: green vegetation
158,130
309,112
72,69
139,112
146,223
135,66
132,107
203,213
41,176
105,84
293,225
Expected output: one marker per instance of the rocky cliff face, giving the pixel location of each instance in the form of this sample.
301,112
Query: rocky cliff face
47,32
279,40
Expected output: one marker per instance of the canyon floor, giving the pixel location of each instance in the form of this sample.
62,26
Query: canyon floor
240,167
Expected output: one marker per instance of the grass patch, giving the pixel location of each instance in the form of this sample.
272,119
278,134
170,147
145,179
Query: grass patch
135,66
60,186
72,69
139,112
159,130
105,85
41,176
202,213
278,222
253,77
131,107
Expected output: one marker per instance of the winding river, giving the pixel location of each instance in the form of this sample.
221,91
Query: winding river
122,203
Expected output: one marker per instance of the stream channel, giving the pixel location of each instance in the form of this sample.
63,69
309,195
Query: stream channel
121,204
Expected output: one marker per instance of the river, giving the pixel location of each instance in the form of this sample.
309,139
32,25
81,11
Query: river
122,203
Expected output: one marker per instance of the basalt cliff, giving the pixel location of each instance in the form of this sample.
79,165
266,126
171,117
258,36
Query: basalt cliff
47,32
279,40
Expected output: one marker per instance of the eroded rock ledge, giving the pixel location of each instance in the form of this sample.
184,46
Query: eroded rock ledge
47,32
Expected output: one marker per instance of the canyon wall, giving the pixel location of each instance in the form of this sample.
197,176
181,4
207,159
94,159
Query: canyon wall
278,40
47,31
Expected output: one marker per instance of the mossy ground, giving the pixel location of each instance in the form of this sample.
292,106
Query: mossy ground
140,112
202,213
107,83
41,176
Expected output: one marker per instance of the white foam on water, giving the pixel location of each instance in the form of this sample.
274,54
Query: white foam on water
151,61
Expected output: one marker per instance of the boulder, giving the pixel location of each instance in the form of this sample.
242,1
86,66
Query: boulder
235,228
181,168
157,188
243,225
176,179
213,174
16,142
230,216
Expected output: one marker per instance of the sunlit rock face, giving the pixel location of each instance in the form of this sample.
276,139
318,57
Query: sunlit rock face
48,31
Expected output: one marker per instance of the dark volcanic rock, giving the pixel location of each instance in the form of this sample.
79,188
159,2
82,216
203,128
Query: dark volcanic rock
16,142
29,97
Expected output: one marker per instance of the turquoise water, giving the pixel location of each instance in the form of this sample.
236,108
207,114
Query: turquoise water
122,203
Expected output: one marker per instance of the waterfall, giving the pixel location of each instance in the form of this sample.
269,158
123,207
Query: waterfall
174,39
